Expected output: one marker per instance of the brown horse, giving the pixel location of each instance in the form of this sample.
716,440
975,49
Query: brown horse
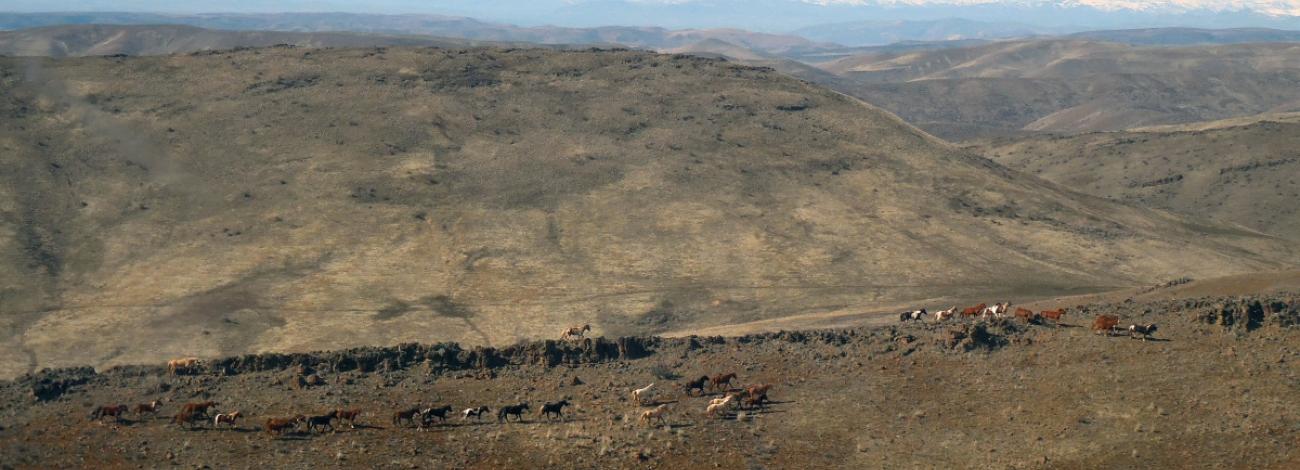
1104,324
974,311
175,366
151,407
348,415
407,415
1055,315
716,382
200,407
1026,315
114,411
276,426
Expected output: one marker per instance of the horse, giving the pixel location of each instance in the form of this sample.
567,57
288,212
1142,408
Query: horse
1055,315
912,315
944,315
200,407
757,390
176,365
996,311
556,408
697,384
1027,315
1145,330
718,404
348,415
151,407
575,332
755,401
426,416
405,415
716,382
636,393
228,418
726,400
1104,324
973,311
190,418
114,411
475,412
657,413
275,426
504,413
321,421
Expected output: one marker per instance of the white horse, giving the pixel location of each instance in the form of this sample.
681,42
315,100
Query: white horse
944,315
636,393
998,310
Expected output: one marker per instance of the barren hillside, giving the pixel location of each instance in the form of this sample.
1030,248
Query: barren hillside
288,199
1244,171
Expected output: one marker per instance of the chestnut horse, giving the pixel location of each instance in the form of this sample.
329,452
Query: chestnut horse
276,426
1026,315
716,382
177,365
974,311
1104,324
1055,315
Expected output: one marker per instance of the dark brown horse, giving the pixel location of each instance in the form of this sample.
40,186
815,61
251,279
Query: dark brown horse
697,384
113,411
718,381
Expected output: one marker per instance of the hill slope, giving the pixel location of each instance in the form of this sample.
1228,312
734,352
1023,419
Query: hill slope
1072,86
1241,171
289,199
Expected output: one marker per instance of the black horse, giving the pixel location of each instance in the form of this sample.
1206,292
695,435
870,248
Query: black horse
697,384
426,417
556,408
504,413
322,421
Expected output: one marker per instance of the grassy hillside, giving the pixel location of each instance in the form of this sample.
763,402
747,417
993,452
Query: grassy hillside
1242,171
290,199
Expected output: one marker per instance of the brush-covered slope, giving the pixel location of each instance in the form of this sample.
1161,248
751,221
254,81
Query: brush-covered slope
1244,171
91,40
289,199
1072,86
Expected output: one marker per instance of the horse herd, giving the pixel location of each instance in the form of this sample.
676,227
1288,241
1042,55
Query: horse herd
198,414
1108,324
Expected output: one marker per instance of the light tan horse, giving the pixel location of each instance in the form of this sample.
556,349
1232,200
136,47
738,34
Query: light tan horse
176,365
575,332
657,413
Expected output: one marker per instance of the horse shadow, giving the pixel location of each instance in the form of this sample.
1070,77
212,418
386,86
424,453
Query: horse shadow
367,426
657,402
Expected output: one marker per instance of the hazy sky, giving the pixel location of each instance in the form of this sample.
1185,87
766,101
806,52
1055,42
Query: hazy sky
766,15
